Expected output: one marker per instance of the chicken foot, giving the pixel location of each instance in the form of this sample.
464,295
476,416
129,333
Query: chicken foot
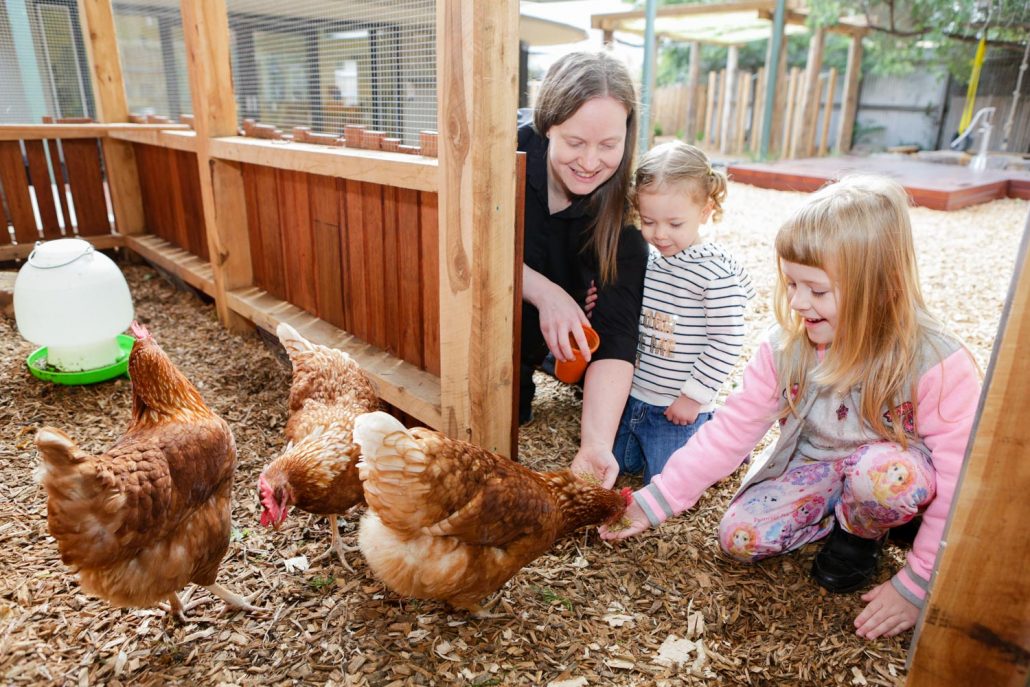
233,599
337,545
482,611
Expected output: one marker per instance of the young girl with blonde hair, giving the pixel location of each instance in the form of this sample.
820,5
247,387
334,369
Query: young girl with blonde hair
692,320
875,401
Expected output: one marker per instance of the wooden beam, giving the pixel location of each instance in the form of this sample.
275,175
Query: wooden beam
824,137
374,166
975,629
613,20
176,140
174,260
399,383
38,132
801,19
477,86
22,250
205,25
849,96
801,140
109,95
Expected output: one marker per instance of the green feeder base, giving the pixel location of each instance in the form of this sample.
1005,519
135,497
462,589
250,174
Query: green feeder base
37,362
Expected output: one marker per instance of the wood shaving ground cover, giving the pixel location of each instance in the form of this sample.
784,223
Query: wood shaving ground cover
746,624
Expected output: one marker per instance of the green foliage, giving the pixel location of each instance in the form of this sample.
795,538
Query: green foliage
551,597
319,583
906,35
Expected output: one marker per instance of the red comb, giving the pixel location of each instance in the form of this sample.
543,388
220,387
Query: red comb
627,494
139,331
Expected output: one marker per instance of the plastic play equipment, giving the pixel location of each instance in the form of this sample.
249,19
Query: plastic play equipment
985,118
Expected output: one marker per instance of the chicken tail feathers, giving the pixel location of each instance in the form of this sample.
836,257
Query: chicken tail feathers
292,341
391,466
57,448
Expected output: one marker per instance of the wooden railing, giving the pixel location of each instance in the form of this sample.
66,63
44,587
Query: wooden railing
53,180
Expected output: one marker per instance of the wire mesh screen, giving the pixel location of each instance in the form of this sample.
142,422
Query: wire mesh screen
326,64
153,58
43,65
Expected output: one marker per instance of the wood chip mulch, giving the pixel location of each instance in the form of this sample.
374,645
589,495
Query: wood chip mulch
662,609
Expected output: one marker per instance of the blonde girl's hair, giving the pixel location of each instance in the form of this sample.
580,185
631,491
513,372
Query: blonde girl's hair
858,231
570,82
675,163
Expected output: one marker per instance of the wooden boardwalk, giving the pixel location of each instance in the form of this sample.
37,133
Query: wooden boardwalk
933,185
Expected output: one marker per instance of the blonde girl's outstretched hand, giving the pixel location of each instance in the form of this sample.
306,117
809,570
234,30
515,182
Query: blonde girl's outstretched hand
886,614
638,522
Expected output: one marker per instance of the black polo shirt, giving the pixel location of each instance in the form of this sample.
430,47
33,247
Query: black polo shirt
554,247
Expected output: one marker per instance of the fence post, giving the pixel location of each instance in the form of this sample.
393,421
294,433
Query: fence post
477,86
109,94
205,27
849,97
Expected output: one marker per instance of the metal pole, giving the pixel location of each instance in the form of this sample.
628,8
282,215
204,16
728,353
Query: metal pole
646,87
772,71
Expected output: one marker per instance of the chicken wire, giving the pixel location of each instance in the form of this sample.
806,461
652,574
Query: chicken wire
327,64
153,57
43,66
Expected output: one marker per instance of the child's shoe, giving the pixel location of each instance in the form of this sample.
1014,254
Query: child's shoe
846,562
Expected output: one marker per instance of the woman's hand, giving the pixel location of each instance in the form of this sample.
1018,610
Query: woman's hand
560,315
638,522
683,411
886,614
597,462
591,301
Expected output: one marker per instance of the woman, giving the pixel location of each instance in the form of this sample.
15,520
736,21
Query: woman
579,157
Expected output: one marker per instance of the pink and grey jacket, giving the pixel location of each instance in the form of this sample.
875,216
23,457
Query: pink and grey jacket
948,390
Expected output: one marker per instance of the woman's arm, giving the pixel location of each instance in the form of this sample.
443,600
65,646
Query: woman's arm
560,315
605,391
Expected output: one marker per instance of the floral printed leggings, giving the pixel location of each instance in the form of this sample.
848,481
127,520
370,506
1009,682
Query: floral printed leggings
877,487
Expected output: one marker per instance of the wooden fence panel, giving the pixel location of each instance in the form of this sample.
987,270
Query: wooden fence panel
372,212
192,203
39,174
355,298
53,147
15,183
391,274
148,166
295,219
325,229
82,158
428,204
171,189
411,277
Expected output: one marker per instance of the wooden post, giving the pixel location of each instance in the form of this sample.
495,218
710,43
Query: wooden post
109,95
205,26
788,118
717,108
729,91
693,78
824,138
809,98
975,629
849,97
477,85
743,100
713,84
779,97
757,110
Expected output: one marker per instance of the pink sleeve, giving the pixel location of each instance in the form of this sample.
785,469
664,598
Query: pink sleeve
947,400
721,444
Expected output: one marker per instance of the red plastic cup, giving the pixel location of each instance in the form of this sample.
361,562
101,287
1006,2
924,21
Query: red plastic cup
573,370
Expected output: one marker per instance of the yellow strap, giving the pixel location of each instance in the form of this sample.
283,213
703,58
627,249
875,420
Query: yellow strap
974,80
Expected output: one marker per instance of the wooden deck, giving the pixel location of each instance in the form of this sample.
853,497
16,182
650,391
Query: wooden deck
936,186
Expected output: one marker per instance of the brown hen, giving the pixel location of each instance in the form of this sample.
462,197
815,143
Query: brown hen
317,473
448,520
151,514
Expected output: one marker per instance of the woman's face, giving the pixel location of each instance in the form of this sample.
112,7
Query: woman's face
585,150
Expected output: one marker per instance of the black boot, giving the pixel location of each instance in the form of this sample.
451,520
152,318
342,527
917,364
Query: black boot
905,535
846,562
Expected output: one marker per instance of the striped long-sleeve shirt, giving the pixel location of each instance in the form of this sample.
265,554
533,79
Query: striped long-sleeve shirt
691,325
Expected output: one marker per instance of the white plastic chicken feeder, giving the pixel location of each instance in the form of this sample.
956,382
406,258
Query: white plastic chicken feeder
74,301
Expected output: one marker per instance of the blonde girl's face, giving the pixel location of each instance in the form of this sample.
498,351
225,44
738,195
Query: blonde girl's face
812,296
671,217
586,149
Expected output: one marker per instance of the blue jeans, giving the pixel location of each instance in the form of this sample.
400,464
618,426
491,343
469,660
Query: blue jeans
646,438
